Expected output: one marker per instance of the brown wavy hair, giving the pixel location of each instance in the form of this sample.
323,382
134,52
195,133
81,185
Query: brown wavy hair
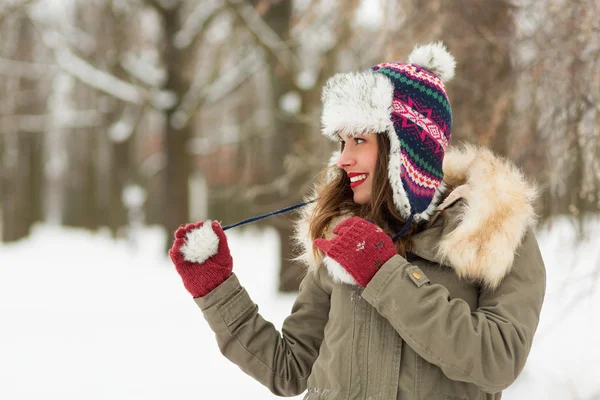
336,198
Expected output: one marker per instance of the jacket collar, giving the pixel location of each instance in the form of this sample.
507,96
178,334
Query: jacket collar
486,217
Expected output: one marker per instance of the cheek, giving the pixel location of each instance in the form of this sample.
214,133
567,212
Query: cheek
373,161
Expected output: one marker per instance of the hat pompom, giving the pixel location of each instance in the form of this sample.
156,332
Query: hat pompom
434,57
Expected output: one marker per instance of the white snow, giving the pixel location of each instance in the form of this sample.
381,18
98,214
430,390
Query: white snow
88,317
120,131
144,67
98,79
369,14
164,99
134,196
306,79
291,102
195,22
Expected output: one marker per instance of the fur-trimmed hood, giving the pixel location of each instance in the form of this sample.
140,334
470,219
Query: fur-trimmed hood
488,211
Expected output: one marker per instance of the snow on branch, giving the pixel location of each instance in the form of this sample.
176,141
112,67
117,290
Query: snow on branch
141,68
80,40
104,81
22,69
164,5
39,123
229,81
111,85
124,128
25,122
12,7
196,22
98,79
268,39
233,78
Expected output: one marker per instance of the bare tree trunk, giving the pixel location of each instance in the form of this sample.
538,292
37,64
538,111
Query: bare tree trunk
479,35
575,112
120,125
81,208
22,195
22,204
83,177
176,139
286,132
120,175
8,142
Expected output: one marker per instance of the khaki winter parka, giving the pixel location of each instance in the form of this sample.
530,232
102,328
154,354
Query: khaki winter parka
453,320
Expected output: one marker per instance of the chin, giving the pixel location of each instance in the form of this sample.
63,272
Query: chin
361,200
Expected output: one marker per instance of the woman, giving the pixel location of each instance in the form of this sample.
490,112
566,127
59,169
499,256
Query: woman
424,277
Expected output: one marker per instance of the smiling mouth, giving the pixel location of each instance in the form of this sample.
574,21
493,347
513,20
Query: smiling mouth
357,180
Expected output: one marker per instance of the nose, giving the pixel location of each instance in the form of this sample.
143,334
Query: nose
346,159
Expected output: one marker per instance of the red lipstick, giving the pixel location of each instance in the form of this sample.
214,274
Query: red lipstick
355,183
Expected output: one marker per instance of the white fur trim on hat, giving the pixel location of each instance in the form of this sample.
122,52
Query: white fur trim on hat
201,244
357,103
394,166
437,197
435,58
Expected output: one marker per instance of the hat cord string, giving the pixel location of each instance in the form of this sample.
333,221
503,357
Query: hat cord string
299,205
259,217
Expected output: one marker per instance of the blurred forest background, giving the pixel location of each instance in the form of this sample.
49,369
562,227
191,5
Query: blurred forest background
122,113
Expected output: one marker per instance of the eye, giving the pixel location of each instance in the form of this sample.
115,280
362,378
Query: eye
342,144
358,140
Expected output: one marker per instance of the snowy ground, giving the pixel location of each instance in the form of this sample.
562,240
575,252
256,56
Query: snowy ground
85,317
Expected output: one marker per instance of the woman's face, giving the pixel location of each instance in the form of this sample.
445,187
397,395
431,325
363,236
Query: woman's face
358,160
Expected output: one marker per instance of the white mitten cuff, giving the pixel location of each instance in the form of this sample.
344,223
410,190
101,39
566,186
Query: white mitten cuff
200,244
337,272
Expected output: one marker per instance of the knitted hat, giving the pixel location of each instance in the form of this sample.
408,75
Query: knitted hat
408,102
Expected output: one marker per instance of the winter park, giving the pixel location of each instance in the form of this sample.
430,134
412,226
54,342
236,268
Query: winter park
314,199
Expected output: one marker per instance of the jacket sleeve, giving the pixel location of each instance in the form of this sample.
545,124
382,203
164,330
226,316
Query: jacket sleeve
281,362
487,347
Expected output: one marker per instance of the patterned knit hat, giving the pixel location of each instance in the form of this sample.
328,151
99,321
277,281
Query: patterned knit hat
408,102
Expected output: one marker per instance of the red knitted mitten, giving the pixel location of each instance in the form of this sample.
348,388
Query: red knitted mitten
360,247
201,256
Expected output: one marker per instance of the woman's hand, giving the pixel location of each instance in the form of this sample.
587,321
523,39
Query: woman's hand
201,256
360,247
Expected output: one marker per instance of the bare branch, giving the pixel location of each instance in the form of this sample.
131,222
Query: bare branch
344,34
23,69
104,81
282,185
154,4
163,5
98,79
266,37
12,8
382,39
125,127
40,123
143,71
233,79
225,84
196,24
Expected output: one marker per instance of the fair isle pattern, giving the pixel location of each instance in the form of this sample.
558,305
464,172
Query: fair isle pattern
417,176
419,92
415,72
439,97
428,126
421,117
